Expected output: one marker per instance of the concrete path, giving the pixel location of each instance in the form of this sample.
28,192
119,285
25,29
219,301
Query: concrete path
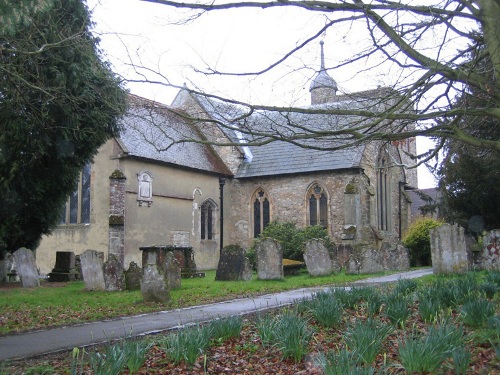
66,338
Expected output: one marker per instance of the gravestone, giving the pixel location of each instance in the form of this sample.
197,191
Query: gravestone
3,266
92,269
65,263
317,258
114,279
133,277
154,282
490,253
173,271
269,259
363,259
448,250
26,268
233,265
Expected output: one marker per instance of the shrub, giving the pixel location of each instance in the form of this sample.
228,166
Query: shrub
417,240
293,239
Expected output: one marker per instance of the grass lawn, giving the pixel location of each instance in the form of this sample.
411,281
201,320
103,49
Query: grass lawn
51,305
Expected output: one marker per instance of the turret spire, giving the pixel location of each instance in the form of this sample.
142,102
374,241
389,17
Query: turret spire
323,88
322,55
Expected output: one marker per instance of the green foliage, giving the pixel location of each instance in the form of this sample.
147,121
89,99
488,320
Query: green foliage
326,309
226,328
18,13
342,362
187,344
293,239
476,313
292,335
135,354
396,308
43,369
59,104
265,326
365,339
111,362
417,240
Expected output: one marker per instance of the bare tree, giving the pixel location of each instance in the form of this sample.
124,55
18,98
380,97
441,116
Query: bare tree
430,43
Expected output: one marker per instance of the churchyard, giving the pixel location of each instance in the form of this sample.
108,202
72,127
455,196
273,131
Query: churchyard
436,325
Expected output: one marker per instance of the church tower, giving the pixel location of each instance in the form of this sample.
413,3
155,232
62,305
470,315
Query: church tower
323,88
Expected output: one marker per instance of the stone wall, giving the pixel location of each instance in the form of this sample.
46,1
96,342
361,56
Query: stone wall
287,196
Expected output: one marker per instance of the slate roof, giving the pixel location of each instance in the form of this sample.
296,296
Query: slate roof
281,158
150,130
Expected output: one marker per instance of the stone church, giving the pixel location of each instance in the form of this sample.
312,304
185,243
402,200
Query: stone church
150,186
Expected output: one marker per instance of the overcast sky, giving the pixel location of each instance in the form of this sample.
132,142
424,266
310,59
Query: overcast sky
233,41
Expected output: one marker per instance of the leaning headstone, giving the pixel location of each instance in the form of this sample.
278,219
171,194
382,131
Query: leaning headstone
26,268
448,249
92,269
133,277
269,259
154,283
233,265
490,253
173,271
317,258
114,279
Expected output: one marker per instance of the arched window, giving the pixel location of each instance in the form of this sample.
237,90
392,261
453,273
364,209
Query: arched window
318,206
145,190
383,193
261,212
207,220
77,208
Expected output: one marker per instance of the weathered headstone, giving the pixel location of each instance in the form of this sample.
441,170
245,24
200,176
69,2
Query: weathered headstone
26,268
233,265
317,258
363,259
269,259
490,253
114,278
448,249
133,277
92,269
173,271
154,282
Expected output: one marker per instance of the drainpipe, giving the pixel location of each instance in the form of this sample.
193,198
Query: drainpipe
400,215
222,181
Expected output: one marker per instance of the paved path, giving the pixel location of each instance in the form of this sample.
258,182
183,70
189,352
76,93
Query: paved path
66,338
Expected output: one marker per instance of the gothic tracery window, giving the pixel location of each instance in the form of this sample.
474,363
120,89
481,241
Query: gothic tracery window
261,212
207,220
318,206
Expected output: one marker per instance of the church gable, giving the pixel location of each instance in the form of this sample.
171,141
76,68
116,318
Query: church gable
159,133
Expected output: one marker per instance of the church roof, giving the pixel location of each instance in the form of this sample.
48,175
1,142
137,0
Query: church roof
151,130
281,157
